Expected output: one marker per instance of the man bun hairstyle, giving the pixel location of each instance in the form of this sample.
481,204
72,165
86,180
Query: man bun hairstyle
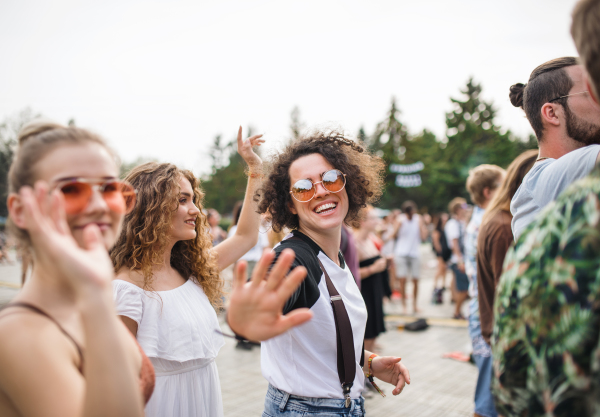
586,34
364,176
548,81
516,94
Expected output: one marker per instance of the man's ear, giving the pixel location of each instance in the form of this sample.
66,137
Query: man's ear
16,210
486,193
550,113
591,90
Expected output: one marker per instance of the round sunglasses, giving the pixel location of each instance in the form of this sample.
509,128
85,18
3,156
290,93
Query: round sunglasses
119,196
305,190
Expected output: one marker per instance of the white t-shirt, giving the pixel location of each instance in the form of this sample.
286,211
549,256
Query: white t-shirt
545,181
409,237
303,360
454,230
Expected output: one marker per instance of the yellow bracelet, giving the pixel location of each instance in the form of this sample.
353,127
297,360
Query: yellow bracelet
370,374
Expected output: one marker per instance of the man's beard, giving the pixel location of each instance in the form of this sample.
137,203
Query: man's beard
580,130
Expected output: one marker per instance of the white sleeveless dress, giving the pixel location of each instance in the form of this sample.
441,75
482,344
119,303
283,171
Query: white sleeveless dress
178,330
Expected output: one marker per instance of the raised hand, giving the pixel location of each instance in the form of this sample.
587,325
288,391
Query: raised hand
84,269
389,369
245,148
255,308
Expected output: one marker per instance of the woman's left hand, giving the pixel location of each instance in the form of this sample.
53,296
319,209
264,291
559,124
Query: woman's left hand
389,369
245,149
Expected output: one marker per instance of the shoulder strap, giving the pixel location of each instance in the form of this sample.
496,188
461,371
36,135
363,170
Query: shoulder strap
41,312
346,364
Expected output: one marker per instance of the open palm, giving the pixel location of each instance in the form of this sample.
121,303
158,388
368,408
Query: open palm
255,310
83,268
245,148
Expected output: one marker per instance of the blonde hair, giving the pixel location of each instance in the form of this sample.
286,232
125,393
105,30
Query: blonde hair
586,34
36,140
482,177
515,173
454,205
146,229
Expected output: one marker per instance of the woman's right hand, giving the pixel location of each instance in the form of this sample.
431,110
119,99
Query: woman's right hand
85,269
255,309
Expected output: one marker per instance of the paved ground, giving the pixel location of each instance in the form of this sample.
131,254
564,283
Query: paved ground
440,387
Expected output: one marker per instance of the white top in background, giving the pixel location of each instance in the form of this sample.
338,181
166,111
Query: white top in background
409,237
255,253
454,230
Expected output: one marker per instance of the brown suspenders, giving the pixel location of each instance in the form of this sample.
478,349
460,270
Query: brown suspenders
346,362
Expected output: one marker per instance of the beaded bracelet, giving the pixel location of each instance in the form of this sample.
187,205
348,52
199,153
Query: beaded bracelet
370,374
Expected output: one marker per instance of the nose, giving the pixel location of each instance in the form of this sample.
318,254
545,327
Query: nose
97,202
320,190
194,211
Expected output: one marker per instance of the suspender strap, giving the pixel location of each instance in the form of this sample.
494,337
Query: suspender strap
346,362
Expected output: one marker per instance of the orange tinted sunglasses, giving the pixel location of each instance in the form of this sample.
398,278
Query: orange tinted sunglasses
304,190
119,196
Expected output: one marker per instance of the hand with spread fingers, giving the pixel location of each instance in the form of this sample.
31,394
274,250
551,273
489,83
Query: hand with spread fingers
86,268
244,147
255,309
389,369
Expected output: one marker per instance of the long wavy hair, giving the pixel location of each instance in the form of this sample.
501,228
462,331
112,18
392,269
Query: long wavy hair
146,231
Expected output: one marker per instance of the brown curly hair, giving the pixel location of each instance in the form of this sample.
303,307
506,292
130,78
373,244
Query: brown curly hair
364,173
145,233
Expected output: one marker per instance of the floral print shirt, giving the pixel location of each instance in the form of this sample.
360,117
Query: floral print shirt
547,311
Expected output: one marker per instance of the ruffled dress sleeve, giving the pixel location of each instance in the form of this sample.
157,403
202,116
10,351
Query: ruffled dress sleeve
128,300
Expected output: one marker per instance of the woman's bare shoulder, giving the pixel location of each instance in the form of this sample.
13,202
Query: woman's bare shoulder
132,277
29,337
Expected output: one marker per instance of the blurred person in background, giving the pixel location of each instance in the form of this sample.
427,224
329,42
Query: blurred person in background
482,184
350,251
373,274
566,122
495,237
253,255
218,234
443,253
387,251
409,231
545,339
455,232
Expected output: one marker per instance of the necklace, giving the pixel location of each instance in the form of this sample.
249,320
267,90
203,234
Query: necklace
542,158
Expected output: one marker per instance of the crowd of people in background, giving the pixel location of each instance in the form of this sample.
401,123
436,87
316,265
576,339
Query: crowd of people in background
118,312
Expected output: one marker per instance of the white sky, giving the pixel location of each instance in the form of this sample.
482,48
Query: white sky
161,79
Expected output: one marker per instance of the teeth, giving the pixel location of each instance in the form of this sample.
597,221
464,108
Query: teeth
325,207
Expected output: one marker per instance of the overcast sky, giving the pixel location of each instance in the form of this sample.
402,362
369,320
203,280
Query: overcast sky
161,79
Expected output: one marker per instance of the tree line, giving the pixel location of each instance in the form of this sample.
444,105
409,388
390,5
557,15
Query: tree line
430,170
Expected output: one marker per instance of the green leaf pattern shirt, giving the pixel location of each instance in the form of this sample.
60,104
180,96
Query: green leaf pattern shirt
547,311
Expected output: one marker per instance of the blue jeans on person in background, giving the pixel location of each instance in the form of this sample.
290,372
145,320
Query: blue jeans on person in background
280,403
482,355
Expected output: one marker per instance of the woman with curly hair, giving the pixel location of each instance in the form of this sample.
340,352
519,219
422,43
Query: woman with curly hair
316,184
168,283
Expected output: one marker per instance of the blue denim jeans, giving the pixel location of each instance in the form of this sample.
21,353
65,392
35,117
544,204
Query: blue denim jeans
482,355
280,403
